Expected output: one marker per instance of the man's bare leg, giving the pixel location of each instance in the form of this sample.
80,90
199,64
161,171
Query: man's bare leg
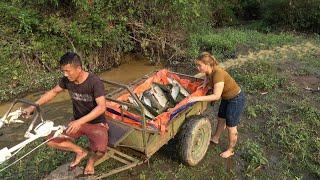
89,170
69,146
233,136
221,126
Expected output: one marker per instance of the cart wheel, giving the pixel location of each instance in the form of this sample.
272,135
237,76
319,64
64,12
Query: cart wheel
193,139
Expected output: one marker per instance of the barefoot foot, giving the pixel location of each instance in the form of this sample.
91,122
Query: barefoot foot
89,170
79,157
227,153
214,140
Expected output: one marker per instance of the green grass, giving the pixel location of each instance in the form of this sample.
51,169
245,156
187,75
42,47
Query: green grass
286,120
254,157
259,77
229,42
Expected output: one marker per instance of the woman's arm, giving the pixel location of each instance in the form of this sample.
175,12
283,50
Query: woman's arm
217,91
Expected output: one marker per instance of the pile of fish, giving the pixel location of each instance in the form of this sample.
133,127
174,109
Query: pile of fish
159,98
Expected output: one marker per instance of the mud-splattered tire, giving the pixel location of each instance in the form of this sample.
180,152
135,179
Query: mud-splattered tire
193,139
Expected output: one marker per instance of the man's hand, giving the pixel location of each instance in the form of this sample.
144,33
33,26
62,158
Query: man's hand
27,112
73,127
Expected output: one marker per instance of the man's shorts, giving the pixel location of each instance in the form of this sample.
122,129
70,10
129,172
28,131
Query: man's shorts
231,109
96,133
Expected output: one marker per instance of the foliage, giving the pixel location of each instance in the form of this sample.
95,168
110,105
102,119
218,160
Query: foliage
299,15
37,33
254,157
248,9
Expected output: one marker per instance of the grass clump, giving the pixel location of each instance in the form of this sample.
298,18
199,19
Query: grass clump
260,76
254,157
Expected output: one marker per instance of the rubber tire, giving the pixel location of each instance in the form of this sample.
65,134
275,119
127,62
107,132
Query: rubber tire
186,136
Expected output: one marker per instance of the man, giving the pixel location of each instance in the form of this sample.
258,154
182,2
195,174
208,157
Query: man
88,99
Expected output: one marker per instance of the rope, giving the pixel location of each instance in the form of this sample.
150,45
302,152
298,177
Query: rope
26,154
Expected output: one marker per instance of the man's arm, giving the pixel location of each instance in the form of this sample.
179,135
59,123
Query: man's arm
97,111
48,96
74,126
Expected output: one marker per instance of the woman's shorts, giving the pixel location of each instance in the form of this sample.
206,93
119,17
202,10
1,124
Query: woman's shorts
231,109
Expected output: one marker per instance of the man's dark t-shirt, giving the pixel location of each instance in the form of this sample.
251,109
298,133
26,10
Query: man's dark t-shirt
83,96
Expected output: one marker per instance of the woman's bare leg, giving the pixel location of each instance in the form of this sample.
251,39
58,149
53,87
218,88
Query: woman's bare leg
233,136
221,126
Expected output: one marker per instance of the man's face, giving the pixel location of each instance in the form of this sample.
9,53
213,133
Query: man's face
71,71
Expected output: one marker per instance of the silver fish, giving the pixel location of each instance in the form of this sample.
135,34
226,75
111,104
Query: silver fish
147,113
146,101
183,91
167,92
159,94
154,102
145,109
148,109
175,91
124,107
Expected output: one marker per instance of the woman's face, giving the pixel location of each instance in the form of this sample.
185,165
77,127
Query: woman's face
203,68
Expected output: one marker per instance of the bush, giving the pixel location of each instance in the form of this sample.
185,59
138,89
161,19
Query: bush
249,9
297,15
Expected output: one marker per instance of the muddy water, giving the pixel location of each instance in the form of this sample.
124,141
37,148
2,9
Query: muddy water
60,109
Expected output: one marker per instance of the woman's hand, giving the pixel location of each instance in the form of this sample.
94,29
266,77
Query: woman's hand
205,83
193,99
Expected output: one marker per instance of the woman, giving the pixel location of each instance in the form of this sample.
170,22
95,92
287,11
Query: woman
232,103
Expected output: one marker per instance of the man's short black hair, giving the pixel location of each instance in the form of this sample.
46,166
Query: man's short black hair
70,58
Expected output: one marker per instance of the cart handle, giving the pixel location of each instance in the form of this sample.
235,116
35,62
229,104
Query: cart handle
38,113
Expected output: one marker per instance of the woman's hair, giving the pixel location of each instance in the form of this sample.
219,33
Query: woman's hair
207,59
